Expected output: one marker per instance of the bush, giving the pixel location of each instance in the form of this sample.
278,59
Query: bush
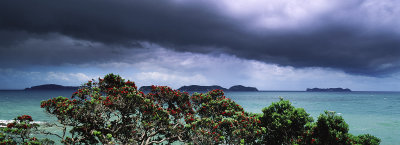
331,129
367,139
284,122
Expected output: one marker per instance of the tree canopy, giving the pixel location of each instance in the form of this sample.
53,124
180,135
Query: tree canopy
111,110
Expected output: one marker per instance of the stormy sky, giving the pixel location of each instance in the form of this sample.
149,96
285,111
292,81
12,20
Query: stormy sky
271,45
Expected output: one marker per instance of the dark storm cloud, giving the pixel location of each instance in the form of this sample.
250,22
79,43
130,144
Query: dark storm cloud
198,27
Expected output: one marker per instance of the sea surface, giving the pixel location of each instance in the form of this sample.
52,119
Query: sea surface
376,113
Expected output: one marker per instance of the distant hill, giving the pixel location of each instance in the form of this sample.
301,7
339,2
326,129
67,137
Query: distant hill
51,87
209,88
145,88
200,88
328,90
190,88
243,88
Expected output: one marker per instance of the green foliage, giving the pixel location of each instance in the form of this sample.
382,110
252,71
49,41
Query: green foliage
366,139
219,120
20,131
113,111
284,122
331,129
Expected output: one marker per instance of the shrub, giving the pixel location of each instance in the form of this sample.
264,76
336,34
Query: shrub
366,139
283,122
331,129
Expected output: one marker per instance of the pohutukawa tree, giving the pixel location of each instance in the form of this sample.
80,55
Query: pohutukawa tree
113,111
219,120
20,131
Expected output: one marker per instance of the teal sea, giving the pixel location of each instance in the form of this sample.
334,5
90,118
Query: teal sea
376,113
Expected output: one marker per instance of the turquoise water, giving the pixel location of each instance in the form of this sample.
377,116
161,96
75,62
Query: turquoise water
376,113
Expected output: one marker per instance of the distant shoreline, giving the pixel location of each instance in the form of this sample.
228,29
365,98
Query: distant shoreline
55,87
225,91
328,90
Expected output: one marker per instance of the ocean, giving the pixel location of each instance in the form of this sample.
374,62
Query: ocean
376,113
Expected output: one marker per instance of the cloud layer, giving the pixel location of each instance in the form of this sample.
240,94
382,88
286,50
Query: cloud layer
357,37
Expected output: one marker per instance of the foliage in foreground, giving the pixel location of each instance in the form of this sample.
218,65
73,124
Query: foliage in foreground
20,130
114,111
284,122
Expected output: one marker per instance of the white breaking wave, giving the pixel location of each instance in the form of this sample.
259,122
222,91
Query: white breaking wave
3,123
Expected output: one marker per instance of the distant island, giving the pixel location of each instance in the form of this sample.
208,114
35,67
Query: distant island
145,88
328,90
200,88
209,88
190,88
193,88
51,87
243,88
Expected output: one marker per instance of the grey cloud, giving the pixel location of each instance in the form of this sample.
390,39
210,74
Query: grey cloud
340,43
55,49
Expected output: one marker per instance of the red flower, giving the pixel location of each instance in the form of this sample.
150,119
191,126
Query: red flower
25,117
312,141
10,125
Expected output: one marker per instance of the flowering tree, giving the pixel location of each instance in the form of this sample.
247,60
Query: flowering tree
112,110
20,131
219,120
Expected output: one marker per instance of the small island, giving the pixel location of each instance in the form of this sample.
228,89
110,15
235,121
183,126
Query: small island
328,90
243,88
145,88
50,87
236,88
192,88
